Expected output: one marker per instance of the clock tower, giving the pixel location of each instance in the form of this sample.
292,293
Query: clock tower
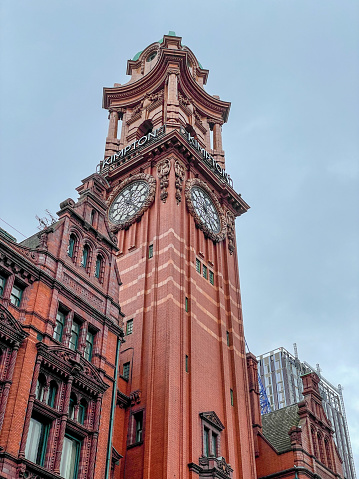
184,405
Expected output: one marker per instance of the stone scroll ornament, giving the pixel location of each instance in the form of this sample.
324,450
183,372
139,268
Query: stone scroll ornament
129,200
163,171
230,231
204,206
180,174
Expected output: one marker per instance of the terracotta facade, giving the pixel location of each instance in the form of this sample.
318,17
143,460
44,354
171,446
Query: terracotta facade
168,391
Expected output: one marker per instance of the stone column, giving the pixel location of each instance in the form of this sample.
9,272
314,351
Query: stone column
217,137
113,124
94,438
30,407
8,382
218,152
172,99
65,412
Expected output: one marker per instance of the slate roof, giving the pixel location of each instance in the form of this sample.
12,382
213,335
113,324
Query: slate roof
31,242
276,426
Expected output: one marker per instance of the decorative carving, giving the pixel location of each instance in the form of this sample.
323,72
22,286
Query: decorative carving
135,397
214,467
146,204
295,434
197,116
230,219
216,237
180,174
69,202
163,171
72,363
10,329
183,99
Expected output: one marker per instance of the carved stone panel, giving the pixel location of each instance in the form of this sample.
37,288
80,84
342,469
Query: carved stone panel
180,174
163,171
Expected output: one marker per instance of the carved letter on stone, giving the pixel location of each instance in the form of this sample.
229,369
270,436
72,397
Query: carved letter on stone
163,170
230,231
180,173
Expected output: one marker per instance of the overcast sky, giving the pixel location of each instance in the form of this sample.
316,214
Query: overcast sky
290,69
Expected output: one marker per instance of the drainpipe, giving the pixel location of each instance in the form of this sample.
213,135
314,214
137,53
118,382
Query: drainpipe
112,416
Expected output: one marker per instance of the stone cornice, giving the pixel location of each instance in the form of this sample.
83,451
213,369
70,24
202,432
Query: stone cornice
130,93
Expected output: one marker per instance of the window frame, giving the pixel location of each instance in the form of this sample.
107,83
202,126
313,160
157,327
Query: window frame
88,356
55,333
126,368
41,447
78,443
198,266
205,271
3,280
129,327
211,277
17,299
74,345
137,429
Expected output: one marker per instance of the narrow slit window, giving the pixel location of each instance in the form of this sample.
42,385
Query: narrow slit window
186,304
205,272
126,371
227,335
232,398
211,277
198,266
186,363
150,251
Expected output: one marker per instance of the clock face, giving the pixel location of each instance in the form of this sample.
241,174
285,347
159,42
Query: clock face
205,209
128,202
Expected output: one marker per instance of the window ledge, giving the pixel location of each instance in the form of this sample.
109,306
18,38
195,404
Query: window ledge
135,444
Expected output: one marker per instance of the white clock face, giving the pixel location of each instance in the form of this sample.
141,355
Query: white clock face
128,202
205,209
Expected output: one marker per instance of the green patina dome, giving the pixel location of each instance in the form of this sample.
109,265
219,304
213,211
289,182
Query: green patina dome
171,34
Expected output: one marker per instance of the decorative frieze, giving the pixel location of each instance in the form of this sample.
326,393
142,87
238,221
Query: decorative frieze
82,291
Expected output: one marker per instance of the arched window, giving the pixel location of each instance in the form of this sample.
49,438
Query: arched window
85,256
321,449
40,387
82,411
327,452
51,398
314,440
72,246
98,267
72,404
93,215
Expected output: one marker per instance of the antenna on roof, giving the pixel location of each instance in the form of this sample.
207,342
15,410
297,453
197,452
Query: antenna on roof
45,222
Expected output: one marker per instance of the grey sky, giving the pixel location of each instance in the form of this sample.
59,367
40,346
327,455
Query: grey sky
290,69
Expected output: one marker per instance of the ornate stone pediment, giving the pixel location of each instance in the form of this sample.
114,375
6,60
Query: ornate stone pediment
212,418
11,330
214,467
72,363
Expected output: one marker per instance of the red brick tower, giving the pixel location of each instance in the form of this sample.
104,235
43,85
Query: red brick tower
183,387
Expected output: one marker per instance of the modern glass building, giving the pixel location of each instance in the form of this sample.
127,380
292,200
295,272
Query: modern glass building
280,373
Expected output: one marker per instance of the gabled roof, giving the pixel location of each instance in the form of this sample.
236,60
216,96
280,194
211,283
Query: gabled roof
277,424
